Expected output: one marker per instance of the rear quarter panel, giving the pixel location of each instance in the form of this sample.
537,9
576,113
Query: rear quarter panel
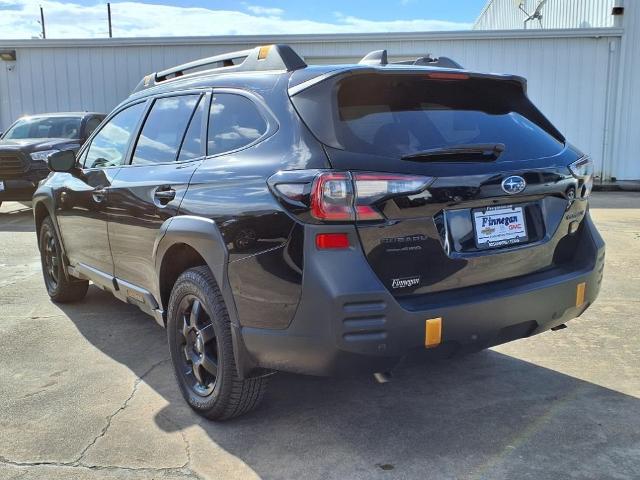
231,189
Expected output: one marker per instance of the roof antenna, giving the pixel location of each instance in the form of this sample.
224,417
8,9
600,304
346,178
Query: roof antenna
377,57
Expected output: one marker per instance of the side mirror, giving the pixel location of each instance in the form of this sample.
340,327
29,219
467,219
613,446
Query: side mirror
62,161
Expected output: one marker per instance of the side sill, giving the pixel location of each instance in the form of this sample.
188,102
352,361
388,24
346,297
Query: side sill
122,290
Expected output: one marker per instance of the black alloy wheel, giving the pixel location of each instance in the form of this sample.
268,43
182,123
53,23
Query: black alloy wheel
202,349
199,346
60,287
50,260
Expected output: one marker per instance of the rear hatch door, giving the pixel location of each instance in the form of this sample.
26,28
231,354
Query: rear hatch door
500,188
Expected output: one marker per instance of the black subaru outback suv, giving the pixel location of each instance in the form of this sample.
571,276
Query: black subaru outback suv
322,220
25,145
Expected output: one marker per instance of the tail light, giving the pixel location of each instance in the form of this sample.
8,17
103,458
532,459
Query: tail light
344,196
332,197
374,187
582,169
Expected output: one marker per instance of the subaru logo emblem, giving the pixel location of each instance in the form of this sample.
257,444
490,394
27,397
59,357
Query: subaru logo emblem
513,184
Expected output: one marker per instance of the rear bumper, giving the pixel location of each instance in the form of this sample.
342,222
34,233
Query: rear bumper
348,323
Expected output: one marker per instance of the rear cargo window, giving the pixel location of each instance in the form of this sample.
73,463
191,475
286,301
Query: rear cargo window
397,115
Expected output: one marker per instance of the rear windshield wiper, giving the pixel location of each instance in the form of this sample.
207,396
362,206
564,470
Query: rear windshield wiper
483,152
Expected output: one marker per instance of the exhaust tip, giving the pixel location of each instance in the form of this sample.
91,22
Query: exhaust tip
382,377
559,327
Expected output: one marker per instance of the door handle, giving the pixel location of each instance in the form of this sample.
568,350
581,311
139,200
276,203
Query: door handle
164,195
99,194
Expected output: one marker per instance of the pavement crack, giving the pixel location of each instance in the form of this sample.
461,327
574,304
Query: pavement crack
185,440
114,468
122,407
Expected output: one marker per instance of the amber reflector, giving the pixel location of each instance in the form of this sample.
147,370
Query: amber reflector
264,51
580,290
433,332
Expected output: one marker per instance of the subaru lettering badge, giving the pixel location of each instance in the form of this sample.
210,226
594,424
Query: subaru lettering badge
513,184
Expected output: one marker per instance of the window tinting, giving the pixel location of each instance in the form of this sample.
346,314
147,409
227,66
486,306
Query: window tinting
400,114
192,143
45,127
234,122
164,129
109,147
91,125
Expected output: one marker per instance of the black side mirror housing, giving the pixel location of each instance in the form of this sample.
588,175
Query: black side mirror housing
62,161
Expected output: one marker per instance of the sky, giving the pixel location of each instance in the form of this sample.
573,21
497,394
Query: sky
150,18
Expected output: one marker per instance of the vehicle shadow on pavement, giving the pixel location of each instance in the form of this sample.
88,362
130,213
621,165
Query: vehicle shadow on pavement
17,220
482,415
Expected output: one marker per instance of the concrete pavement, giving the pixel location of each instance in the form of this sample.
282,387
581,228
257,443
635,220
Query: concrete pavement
87,392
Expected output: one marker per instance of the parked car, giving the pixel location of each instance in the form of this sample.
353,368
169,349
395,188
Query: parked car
325,220
27,142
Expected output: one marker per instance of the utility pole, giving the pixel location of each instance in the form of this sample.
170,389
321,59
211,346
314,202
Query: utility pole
44,33
109,16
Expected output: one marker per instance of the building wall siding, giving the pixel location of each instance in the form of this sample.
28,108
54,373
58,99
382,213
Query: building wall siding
623,142
505,14
566,77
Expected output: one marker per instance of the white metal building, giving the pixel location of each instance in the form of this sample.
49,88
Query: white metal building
513,14
586,80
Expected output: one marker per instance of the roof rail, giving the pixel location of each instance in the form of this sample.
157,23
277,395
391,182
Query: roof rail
262,58
377,57
444,62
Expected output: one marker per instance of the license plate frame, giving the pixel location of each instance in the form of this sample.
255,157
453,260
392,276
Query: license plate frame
509,232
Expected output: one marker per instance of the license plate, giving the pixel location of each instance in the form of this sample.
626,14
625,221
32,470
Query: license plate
500,226
1,186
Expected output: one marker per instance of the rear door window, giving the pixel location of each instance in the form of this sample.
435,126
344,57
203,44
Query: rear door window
164,130
192,144
234,122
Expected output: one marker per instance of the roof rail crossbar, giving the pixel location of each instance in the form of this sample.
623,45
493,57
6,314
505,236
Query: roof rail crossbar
377,57
268,57
444,62
225,60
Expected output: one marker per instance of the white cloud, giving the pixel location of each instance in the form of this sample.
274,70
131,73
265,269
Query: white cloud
258,10
18,19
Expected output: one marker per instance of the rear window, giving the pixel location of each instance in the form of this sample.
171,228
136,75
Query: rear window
399,114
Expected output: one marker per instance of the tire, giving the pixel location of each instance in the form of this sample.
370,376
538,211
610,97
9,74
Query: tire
59,287
201,348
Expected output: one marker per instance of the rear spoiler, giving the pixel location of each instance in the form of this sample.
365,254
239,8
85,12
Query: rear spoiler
380,57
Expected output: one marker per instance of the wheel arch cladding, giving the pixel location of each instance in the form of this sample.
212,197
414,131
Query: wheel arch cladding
193,241
196,239
40,212
43,207
178,258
